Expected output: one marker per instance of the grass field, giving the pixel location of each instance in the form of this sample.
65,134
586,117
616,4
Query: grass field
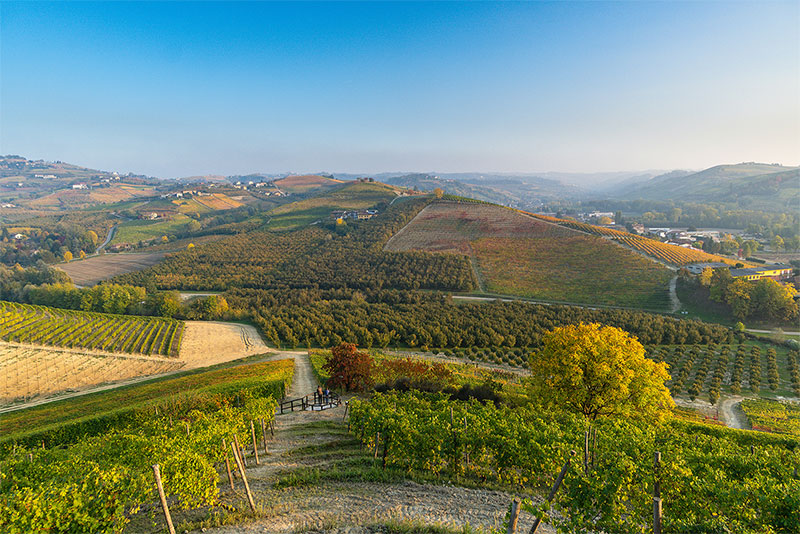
92,270
135,231
350,196
520,255
577,268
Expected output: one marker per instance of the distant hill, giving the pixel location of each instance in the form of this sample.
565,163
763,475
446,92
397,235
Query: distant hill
55,184
525,192
305,183
749,185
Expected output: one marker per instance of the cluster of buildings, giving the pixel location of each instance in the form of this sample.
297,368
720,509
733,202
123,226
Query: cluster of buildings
777,272
357,215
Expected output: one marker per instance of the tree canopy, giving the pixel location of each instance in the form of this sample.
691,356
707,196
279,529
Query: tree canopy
599,371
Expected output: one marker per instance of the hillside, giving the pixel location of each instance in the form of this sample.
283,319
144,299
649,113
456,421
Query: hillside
515,254
346,196
525,192
305,183
749,185
49,185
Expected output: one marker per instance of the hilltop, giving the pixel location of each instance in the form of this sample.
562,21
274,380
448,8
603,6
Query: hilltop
305,183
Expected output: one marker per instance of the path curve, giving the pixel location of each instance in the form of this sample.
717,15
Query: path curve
109,237
732,413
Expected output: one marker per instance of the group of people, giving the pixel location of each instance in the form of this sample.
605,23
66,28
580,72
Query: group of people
322,396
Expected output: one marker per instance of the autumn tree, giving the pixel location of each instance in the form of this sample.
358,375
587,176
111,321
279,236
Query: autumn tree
599,371
349,368
438,192
68,256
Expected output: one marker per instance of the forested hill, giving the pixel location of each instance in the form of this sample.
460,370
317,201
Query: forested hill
749,185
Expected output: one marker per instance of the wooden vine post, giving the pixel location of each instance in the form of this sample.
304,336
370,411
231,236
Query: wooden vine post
255,444
239,450
554,489
227,463
514,517
244,476
656,493
163,497
264,434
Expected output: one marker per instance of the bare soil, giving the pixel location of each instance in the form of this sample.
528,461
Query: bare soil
210,342
93,270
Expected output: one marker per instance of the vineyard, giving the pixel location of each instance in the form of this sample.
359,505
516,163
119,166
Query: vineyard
41,325
711,479
672,254
521,255
773,416
97,483
32,372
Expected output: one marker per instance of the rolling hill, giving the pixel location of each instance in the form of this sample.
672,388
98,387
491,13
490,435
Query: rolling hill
750,185
305,183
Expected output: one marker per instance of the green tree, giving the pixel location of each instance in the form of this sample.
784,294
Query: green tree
599,371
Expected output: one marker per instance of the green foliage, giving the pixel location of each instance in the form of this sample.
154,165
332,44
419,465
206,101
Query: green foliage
599,371
70,420
708,476
772,416
23,323
94,484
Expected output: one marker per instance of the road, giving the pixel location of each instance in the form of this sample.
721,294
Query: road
754,331
109,237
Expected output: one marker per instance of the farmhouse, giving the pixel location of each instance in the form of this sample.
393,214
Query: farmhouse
776,272
80,186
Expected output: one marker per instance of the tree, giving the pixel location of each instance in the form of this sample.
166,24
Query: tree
777,243
599,371
348,368
82,254
92,236
68,256
438,192
605,220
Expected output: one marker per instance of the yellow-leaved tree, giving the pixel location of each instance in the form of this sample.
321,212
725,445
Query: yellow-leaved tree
599,371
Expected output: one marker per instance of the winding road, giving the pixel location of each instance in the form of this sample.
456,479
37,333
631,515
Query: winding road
109,237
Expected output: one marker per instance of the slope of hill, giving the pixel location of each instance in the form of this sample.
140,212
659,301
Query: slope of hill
305,183
346,196
515,254
752,185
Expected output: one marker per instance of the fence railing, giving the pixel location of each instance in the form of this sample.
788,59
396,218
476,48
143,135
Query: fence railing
312,401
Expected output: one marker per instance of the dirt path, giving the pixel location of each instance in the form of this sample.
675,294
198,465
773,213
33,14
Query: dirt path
675,303
732,413
335,505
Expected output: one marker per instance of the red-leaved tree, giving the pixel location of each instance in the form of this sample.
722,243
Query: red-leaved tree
348,368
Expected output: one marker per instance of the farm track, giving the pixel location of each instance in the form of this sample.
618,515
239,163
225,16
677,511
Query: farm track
332,506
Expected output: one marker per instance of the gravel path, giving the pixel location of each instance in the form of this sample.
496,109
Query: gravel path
338,506
732,414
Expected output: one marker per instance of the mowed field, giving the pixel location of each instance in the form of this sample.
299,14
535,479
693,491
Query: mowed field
93,270
523,256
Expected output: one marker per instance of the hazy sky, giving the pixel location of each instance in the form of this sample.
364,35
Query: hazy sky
177,89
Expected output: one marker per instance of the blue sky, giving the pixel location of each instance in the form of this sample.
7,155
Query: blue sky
178,89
